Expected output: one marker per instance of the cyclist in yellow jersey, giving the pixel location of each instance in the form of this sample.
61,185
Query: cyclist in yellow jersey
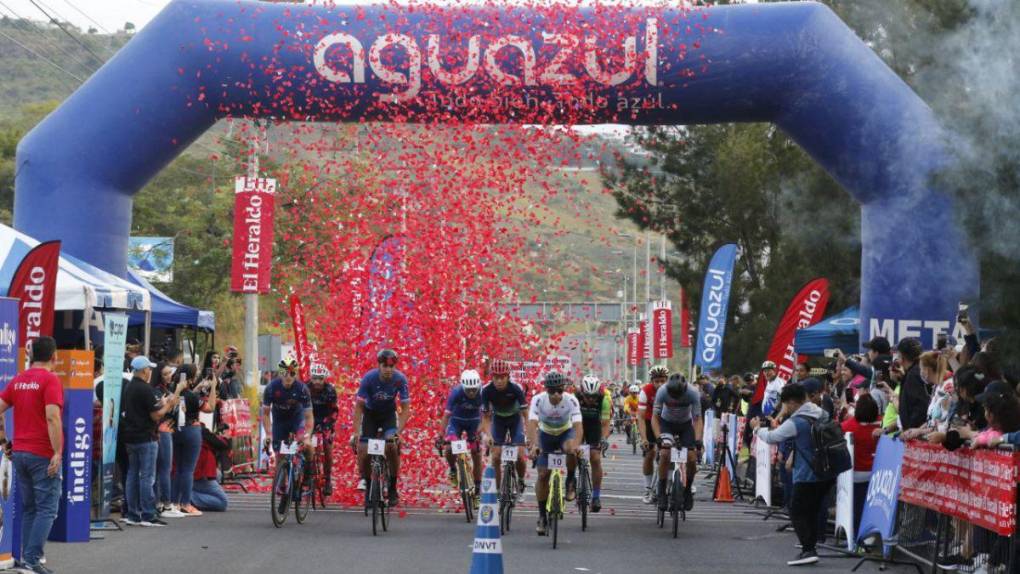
596,414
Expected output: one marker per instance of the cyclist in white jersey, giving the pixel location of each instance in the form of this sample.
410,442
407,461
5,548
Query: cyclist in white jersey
554,423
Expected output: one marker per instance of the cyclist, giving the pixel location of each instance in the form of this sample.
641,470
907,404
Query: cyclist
325,411
504,411
554,423
677,421
630,408
288,401
462,417
646,400
596,412
375,413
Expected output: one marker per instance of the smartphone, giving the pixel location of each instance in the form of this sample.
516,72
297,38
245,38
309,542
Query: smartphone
208,373
941,341
831,353
182,378
961,312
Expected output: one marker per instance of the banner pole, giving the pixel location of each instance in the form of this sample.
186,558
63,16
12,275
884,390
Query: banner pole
251,300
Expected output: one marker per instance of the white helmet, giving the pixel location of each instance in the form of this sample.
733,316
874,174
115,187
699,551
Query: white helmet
590,385
470,380
319,370
634,389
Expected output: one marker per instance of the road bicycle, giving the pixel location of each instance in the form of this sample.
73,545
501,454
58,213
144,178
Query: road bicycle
288,484
584,487
319,478
379,479
676,488
465,476
509,485
557,488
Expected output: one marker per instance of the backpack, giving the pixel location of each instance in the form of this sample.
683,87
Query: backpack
831,454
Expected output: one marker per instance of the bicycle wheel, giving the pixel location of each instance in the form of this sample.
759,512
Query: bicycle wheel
465,489
507,491
633,440
303,499
384,502
583,493
556,499
279,497
375,501
320,483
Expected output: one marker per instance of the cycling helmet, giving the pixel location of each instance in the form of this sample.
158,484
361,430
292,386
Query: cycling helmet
288,364
658,371
634,389
554,380
387,357
470,380
499,367
319,371
676,385
590,385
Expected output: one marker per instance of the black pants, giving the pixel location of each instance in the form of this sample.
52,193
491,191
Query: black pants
808,498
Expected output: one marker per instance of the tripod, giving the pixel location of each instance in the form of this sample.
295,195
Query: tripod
725,454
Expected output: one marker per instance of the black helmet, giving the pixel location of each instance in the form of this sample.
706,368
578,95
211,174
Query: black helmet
387,357
554,380
676,385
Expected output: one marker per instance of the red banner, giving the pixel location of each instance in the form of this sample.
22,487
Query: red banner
304,352
662,330
633,344
685,321
236,413
806,309
643,337
253,234
976,486
35,285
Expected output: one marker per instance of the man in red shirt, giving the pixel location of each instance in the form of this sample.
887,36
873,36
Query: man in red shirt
37,398
646,400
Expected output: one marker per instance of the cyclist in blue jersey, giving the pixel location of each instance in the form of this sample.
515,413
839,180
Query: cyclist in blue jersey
325,410
288,401
462,417
375,416
504,412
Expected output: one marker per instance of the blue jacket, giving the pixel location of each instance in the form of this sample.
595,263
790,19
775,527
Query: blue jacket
798,428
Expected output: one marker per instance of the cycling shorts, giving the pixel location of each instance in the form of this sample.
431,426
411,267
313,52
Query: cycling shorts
551,443
502,426
458,427
682,434
375,423
283,428
592,432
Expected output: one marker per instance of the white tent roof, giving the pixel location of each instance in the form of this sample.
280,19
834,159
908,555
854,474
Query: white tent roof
79,285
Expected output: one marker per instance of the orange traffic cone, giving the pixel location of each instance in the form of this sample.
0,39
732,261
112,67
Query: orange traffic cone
722,486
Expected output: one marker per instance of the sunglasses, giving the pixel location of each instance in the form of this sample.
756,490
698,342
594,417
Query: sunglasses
388,363
554,391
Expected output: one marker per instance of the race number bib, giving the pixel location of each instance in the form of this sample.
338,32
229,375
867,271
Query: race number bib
509,454
288,448
558,462
678,455
584,452
458,447
376,446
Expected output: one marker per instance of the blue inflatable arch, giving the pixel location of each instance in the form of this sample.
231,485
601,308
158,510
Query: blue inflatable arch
795,64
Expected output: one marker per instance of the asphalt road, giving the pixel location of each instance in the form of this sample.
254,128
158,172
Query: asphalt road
623,538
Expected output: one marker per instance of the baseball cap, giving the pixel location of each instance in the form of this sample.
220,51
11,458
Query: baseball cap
879,344
811,385
141,362
995,388
768,365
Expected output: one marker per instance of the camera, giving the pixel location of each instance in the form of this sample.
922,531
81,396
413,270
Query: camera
941,341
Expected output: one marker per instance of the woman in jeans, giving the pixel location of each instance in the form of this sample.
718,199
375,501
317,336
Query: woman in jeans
188,438
163,384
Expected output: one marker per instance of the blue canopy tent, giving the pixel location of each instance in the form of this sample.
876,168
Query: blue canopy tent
838,331
169,314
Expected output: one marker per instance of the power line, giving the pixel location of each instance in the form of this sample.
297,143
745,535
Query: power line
48,41
57,23
40,56
89,18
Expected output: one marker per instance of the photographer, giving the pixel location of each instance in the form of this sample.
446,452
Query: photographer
809,491
230,375
207,495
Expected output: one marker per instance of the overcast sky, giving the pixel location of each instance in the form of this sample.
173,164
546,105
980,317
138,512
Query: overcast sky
110,14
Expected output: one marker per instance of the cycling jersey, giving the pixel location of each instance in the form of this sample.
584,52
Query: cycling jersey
554,419
678,410
324,406
595,407
462,407
379,395
630,405
505,403
646,398
287,404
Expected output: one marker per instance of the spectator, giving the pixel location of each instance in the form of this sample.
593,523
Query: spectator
773,387
37,397
207,495
801,372
163,386
141,412
188,437
862,425
816,393
1002,411
726,398
809,491
914,395
175,357
233,385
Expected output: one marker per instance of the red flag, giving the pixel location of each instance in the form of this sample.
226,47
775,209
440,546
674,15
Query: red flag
685,321
633,354
806,309
643,337
35,284
662,330
304,352
253,234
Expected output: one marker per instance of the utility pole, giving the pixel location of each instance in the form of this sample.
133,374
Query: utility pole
648,297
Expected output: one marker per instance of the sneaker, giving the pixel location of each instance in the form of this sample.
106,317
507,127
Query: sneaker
146,524
173,512
571,490
541,527
131,521
190,510
42,560
157,522
688,500
596,505
452,478
37,568
647,498
361,484
805,557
